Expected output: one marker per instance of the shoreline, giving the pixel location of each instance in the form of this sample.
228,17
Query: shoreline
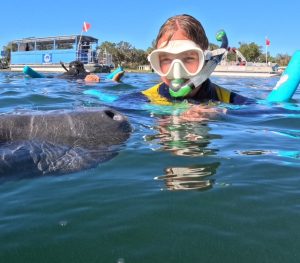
216,73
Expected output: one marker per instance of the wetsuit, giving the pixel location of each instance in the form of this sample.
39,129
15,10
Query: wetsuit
159,94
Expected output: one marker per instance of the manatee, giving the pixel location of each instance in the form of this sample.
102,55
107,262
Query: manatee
59,142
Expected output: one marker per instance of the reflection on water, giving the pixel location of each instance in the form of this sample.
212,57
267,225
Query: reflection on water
189,178
183,138
254,152
288,154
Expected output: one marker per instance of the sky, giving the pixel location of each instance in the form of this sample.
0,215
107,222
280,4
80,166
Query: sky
138,21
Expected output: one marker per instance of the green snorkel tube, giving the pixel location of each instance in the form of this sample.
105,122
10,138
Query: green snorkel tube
181,88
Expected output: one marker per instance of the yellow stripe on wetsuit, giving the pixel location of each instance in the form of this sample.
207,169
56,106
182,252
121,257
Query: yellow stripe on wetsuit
153,95
223,94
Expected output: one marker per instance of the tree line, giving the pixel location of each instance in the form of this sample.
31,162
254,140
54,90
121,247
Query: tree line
125,54
253,53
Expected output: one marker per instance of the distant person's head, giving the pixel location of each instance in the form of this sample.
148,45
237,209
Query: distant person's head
76,67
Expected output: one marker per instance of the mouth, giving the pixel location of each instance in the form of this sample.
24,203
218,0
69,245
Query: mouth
176,84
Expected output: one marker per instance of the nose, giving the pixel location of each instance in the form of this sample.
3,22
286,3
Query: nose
118,119
177,70
109,113
113,115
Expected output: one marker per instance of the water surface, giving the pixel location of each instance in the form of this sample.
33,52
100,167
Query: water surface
223,190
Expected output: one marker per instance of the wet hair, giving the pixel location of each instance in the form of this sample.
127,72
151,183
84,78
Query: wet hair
76,67
191,27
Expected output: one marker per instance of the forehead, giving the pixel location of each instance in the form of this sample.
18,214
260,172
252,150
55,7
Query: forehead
181,54
178,35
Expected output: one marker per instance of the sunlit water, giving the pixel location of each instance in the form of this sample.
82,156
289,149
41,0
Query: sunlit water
223,190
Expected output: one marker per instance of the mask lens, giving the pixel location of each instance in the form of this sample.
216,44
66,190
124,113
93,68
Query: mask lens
181,65
165,61
176,58
189,60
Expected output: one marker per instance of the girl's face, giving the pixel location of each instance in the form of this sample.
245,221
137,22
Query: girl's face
190,59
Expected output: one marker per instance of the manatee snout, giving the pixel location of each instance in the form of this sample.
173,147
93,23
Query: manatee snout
114,115
60,141
115,122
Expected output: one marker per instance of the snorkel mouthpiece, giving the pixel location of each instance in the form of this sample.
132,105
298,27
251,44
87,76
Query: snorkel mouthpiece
178,88
182,87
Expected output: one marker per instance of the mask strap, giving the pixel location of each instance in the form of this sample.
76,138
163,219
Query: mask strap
208,54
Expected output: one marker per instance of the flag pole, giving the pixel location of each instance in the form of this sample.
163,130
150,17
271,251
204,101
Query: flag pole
266,54
78,58
79,39
266,49
85,28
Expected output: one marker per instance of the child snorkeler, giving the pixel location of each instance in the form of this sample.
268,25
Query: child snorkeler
181,53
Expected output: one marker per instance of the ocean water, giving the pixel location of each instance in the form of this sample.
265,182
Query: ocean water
222,190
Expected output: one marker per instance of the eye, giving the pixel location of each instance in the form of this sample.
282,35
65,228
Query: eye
165,60
190,59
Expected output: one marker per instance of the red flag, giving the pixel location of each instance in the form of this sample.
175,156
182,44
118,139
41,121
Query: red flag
86,26
268,42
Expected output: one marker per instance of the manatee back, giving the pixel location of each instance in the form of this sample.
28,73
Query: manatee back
59,141
87,128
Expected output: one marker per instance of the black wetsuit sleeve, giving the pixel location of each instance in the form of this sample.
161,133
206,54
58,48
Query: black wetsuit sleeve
238,99
135,97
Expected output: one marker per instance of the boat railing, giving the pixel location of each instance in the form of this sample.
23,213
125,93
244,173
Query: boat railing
86,56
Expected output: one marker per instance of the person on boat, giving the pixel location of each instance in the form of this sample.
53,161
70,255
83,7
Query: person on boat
181,53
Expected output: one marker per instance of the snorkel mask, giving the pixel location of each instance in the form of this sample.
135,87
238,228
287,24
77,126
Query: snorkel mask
174,61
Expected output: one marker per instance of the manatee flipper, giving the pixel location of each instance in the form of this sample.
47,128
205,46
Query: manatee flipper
60,159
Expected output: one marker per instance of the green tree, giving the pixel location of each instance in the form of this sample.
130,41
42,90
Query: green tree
123,53
212,46
231,56
139,57
8,49
112,49
250,51
108,46
282,59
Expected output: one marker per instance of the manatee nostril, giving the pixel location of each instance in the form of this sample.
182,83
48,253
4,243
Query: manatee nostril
109,113
114,115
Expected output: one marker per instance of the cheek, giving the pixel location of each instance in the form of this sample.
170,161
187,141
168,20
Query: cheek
164,68
193,67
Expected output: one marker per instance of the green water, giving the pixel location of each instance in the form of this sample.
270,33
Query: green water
225,190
